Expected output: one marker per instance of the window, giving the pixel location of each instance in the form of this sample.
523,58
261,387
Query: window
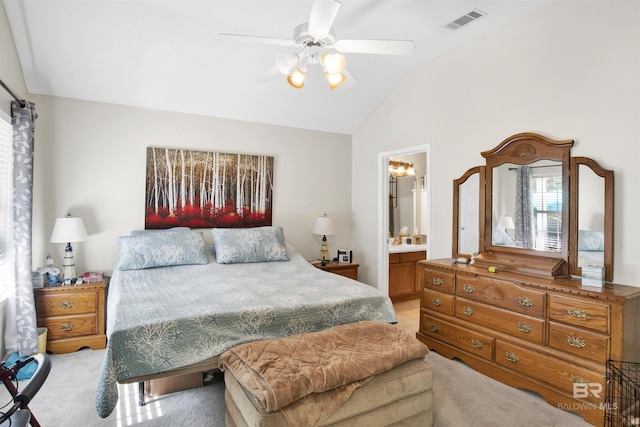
6,235
547,208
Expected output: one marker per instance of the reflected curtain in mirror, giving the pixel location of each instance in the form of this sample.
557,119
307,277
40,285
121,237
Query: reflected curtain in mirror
524,207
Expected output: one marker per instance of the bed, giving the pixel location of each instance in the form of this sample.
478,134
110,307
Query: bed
164,318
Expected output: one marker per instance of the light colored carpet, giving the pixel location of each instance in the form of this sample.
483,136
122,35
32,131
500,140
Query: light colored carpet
462,397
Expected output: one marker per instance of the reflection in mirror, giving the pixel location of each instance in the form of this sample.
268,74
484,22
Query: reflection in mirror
590,218
527,206
468,206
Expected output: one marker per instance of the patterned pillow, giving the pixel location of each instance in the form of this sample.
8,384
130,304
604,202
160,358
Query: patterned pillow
590,240
161,249
259,244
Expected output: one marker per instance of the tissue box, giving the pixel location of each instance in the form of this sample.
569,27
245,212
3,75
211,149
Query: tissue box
593,275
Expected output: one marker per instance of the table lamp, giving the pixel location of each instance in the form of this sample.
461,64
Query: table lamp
506,223
324,226
67,230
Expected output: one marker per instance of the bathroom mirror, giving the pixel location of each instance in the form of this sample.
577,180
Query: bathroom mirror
468,208
591,236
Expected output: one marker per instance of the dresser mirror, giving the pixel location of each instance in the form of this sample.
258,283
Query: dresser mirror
468,223
591,235
559,226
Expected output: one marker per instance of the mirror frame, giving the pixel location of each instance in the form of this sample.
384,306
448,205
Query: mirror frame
608,214
480,170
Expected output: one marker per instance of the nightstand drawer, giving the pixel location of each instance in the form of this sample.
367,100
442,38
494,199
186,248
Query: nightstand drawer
66,304
70,326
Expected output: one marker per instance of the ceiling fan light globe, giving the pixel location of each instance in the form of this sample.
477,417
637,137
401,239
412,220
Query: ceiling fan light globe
335,80
334,63
286,62
296,79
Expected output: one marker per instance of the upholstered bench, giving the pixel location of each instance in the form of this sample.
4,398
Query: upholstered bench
285,382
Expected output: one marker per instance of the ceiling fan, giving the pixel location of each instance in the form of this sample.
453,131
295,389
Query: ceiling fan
317,44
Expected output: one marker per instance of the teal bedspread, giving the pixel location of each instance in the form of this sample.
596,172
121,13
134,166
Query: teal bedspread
165,318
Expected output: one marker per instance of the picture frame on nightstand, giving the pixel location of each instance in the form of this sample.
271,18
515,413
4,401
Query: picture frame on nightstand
345,256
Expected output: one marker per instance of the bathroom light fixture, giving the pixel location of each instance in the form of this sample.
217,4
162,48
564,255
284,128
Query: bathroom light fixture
398,168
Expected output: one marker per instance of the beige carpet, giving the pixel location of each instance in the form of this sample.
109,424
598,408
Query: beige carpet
462,397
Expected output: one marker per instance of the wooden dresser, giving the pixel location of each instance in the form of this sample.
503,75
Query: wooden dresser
73,315
549,336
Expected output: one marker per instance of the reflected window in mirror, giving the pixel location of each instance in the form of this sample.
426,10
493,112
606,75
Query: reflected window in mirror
527,206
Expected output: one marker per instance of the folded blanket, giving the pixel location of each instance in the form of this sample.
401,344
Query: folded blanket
282,371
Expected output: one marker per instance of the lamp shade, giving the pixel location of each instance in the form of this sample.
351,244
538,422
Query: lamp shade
324,226
506,223
67,230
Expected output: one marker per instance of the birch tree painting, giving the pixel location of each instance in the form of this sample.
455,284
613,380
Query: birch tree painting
201,189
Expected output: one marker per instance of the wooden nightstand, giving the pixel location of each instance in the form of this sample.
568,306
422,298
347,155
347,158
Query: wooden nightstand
73,315
343,269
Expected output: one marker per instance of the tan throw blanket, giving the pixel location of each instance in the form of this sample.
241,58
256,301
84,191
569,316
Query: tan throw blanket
282,371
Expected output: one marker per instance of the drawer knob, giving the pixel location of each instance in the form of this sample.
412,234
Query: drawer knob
468,288
66,327
437,281
576,342
576,312
433,328
477,344
524,301
523,327
66,304
468,310
437,302
512,357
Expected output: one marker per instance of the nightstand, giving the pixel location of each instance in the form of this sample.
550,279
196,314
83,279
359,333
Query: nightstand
343,269
73,315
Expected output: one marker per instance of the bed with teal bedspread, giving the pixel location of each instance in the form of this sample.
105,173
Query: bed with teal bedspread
165,318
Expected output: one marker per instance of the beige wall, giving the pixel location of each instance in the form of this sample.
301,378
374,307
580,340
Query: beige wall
568,72
91,157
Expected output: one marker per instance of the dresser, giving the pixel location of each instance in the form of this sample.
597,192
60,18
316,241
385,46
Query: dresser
552,336
73,315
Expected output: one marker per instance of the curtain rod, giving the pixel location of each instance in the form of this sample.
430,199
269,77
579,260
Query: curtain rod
4,86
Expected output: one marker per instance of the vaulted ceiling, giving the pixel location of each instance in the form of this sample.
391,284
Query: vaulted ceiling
164,54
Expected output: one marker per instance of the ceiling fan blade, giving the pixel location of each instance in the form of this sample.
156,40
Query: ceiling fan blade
383,47
270,74
253,39
323,13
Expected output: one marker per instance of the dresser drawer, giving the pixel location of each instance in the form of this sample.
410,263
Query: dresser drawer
502,294
580,342
439,281
555,372
580,313
437,301
525,327
70,326
473,342
62,304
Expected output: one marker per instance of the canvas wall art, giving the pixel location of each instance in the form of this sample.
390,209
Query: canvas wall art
202,189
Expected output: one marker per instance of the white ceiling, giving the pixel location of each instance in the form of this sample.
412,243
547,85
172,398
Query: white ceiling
163,54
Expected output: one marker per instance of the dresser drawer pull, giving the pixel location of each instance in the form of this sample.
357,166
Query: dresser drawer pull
524,301
576,312
477,344
437,302
578,379
468,310
523,327
66,327
512,357
468,288
66,304
433,328
575,342
437,281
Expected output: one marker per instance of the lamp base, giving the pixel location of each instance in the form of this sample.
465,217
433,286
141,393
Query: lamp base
68,265
324,251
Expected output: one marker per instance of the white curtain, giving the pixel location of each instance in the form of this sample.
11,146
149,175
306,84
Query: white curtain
21,333
524,208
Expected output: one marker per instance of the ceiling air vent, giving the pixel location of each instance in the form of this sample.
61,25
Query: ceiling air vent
465,19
